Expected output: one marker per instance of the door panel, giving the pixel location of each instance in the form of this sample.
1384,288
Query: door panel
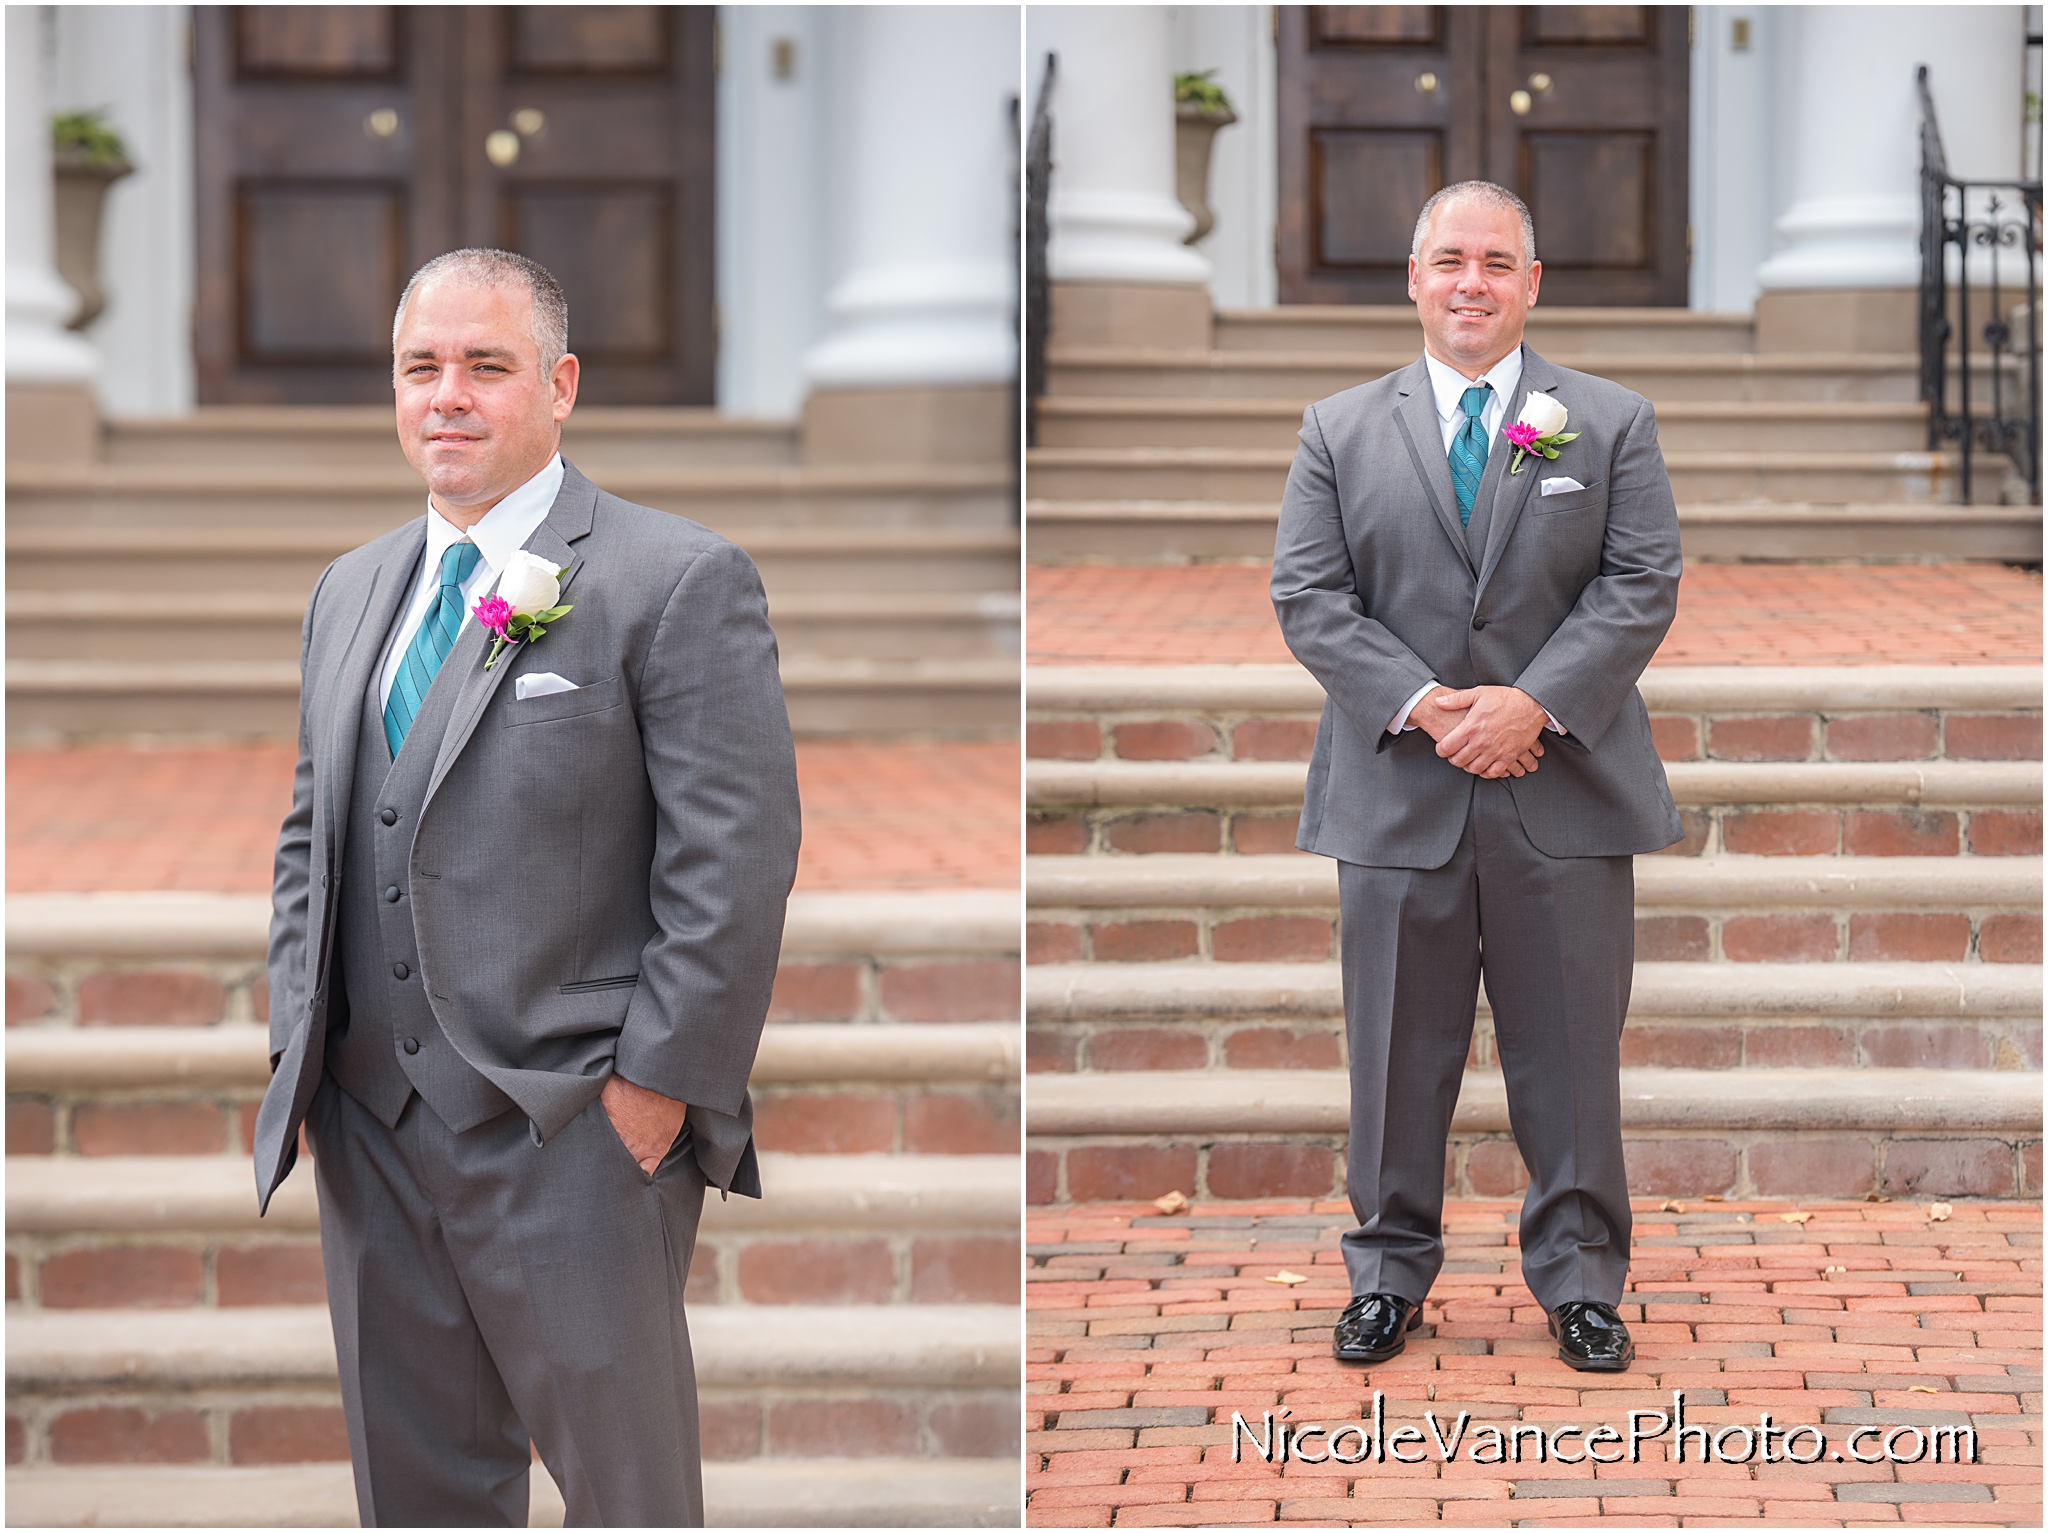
1381,106
341,147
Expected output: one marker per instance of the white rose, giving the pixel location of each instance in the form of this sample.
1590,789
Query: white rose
530,584
1544,413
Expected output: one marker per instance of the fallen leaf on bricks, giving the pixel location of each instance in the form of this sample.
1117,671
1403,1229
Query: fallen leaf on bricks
1834,1269
1671,1206
1712,1197
1799,1219
1939,1211
1876,1197
1921,1389
1289,1278
1175,1202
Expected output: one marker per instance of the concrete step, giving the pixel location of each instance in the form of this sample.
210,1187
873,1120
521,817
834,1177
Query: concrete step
794,1493
1179,531
367,501
832,625
1805,1132
1240,474
1561,330
1685,426
598,439
71,700
287,560
1663,377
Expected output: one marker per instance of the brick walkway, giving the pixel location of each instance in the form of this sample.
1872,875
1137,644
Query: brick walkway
876,816
1728,614
1148,1332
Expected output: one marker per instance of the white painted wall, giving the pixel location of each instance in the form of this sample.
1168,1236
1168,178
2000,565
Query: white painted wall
1736,181
1244,169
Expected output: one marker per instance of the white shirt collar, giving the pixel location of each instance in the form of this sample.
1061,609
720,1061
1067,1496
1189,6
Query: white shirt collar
1449,384
504,529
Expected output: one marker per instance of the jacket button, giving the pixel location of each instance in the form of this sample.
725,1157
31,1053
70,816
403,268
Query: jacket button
388,816
399,971
1478,623
412,1045
391,895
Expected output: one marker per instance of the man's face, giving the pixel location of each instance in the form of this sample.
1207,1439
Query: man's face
1471,287
476,414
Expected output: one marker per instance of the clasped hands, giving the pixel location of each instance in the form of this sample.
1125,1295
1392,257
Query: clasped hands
645,1121
1488,731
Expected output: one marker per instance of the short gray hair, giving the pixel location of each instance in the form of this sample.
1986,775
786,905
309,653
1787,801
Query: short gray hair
501,268
1493,196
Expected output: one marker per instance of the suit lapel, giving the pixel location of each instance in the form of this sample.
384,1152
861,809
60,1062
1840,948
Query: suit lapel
1416,419
385,599
568,520
1511,491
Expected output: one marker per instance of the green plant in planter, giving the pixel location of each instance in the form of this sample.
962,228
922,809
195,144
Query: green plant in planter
87,136
1198,90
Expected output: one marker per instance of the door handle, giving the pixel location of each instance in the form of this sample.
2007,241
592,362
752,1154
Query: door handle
501,147
382,123
1518,103
1426,82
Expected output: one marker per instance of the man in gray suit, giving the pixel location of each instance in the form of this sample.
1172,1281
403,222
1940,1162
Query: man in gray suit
526,917
1483,770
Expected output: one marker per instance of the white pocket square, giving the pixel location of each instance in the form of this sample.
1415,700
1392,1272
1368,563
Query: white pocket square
1558,486
544,684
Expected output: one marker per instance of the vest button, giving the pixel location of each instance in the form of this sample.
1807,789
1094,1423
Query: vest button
391,895
388,816
399,971
412,1045
1478,624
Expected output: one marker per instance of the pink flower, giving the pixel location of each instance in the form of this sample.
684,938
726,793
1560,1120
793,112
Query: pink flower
494,612
1523,434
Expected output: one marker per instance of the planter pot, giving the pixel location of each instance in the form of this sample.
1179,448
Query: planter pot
81,188
1194,135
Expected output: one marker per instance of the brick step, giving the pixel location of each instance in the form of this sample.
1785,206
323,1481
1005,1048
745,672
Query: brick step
371,500
1239,474
1663,377
77,700
287,560
1702,909
164,1231
1560,329
1067,420
1247,1016
598,439
91,624
847,1493
258,1385
1806,1132
1180,531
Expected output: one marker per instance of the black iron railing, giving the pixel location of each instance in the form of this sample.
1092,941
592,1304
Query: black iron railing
1985,222
1037,188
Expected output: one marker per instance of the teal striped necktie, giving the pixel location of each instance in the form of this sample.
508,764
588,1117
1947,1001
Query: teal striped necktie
429,646
1468,451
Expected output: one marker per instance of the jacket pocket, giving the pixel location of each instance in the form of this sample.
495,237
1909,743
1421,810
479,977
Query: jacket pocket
585,986
1570,500
595,698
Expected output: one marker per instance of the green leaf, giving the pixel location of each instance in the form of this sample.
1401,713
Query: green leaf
1550,452
534,632
1563,437
552,613
519,622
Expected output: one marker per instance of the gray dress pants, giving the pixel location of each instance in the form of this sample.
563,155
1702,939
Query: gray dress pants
1555,938
484,1287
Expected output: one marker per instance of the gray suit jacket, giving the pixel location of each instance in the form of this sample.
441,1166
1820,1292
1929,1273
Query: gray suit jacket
1378,590
598,876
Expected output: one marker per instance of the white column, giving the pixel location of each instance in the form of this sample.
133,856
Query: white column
1244,174
1850,121
925,293
1114,217
39,349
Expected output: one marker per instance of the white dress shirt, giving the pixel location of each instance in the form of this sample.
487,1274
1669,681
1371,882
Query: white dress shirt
1449,386
502,532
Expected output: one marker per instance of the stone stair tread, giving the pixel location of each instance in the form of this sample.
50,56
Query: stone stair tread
400,479
878,1492
76,538
235,1056
1209,407
1092,991
1101,784
1665,688
892,922
122,1194
283,675
169,610
1173,879
1220,1102
1704,511
235,420
929,1346
1371,364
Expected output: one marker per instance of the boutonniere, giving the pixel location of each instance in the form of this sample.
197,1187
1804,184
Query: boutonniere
519,611
1541,430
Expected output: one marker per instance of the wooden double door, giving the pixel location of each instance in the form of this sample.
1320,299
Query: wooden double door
340,147
1581,110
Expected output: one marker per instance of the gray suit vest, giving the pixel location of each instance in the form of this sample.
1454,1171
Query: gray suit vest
393,1044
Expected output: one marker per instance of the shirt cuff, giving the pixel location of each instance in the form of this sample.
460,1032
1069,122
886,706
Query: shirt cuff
1550,720
1401,724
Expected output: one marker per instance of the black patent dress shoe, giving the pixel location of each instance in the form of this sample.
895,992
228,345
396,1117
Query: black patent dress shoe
1591,1337
1374,1327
